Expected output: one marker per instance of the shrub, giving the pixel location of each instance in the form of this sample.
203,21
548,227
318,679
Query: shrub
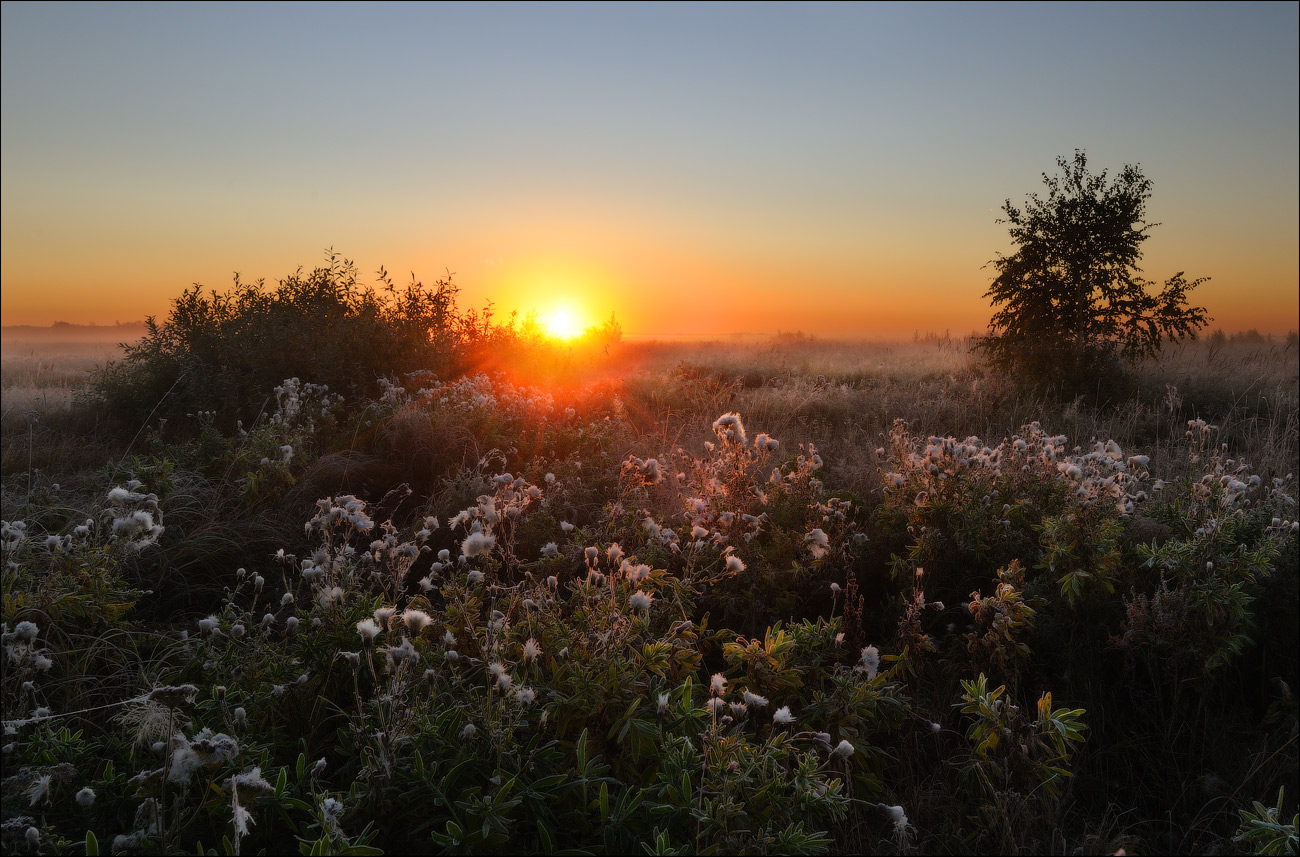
223,351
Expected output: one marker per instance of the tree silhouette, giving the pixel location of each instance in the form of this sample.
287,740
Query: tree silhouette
1070,301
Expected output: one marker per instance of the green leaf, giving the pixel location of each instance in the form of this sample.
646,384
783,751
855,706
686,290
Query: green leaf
548,843
92,844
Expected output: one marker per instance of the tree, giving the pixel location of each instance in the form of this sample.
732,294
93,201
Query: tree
1070,301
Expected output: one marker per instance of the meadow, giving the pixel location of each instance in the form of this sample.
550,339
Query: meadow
336,571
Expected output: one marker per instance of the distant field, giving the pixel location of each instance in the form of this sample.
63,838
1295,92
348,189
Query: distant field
41,367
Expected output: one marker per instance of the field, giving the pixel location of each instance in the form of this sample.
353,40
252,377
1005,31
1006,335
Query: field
795,596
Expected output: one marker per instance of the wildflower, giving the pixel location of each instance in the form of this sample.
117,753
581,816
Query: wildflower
754,699
936,728
531,650
468,732
404,652
474,576
641,600
384,615
451,656
173,697
368,629
734,565
871,661
716,704
33,838
591,553
253,780
477,544
818,543
416,620
39,790
331,808
550,550
448,638
241,717
718,684
86,798
614,553
258,582
783,715
242,819
844,748
739,710
26,631
662,706
291,624
525,695
319,767
730,429
896,815
237,630
835,587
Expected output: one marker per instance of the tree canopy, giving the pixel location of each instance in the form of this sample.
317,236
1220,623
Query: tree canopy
1071,301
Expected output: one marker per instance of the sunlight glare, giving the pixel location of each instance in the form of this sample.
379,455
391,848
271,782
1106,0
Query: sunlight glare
562,323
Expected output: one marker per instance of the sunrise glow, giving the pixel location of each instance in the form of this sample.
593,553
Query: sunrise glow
563,323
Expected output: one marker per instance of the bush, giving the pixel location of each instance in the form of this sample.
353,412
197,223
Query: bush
223,351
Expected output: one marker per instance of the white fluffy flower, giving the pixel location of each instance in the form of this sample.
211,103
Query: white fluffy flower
818,543
368,629
416,620
871,661
783,715
477,544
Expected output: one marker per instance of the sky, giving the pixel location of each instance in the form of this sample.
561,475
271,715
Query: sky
693,169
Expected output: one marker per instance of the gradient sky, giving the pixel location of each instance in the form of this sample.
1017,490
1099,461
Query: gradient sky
695,169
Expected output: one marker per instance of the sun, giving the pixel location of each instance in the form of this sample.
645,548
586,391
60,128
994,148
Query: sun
562,323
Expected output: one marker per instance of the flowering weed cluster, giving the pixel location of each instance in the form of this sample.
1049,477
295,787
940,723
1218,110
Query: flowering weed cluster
524,625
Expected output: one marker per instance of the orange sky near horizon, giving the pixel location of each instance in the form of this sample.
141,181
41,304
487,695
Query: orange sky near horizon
696,171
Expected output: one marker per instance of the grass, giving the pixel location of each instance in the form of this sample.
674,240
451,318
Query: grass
1161,641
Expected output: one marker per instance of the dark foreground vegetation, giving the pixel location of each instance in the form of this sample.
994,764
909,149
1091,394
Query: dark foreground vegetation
344,570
